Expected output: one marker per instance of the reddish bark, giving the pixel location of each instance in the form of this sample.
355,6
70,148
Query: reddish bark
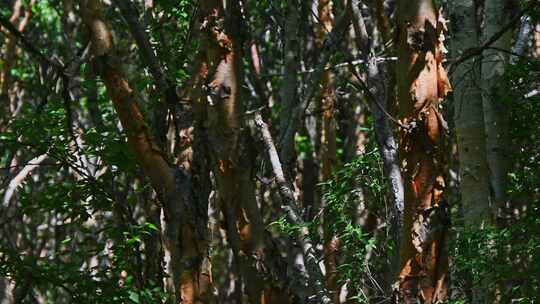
422,85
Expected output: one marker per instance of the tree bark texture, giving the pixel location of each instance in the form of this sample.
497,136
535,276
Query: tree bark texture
422,85
328,147
289,89
469,117
229,141
315,278
379,93
496,113
536,45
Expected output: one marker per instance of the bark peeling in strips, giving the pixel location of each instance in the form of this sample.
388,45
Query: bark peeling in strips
422,85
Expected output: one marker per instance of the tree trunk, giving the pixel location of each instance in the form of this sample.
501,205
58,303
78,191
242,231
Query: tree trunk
496,113
229,141
422,85
9,53
536,46
328,148
189,281
289,89
469,127
469,118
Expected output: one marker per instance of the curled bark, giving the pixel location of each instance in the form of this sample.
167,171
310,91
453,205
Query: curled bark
422,85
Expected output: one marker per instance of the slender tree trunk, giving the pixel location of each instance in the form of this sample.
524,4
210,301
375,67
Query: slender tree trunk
469,127
469,118
6,291
536,46
19,18
496,113
289,89
328,148
184,243
229,141
315,279
380,92
422,85
147,53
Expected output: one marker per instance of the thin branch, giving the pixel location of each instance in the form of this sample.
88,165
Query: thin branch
148,54
370,95
290,208
19,178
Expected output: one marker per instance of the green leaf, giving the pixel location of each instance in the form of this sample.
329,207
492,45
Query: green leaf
133,296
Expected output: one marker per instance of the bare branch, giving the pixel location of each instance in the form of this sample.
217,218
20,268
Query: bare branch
290,207
19,178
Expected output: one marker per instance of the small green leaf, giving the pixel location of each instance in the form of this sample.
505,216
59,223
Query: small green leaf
133,296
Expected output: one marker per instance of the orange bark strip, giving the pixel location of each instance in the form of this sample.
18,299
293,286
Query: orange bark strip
422,85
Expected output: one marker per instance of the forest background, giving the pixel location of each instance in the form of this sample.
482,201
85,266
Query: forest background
272,151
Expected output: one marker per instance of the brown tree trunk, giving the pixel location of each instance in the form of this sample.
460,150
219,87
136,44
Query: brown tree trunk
422,84
190,280
328,148
9,52
536,50
229,141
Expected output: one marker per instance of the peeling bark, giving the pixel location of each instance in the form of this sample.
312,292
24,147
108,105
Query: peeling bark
422,85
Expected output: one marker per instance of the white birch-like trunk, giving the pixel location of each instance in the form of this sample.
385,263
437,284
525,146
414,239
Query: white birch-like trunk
469,117
496,15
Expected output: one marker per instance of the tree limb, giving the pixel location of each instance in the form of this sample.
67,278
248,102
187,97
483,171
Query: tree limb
290,207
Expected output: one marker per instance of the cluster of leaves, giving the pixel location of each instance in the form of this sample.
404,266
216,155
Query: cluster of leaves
354,205
71,247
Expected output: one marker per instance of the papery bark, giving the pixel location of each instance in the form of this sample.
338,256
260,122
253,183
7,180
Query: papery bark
422,85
